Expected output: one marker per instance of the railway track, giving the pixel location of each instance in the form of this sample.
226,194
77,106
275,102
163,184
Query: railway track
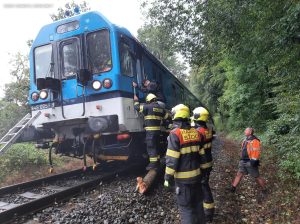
25,198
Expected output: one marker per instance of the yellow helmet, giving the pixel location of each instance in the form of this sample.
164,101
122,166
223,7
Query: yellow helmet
180,111
200,114
150,97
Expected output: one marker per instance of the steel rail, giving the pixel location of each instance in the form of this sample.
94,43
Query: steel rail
43,202
41,181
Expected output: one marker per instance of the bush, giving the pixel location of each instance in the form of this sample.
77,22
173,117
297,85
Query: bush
283,137
20,156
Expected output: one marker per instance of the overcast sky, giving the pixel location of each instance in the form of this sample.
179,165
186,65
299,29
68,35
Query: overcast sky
21,20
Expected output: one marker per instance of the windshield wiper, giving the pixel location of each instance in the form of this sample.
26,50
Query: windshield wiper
90,61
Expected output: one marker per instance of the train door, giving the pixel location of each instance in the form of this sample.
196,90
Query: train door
72,94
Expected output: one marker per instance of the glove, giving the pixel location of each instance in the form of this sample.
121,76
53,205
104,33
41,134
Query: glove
254,162
166,184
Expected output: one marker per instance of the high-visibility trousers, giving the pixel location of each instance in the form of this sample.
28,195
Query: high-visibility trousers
208,201
190,203
152,142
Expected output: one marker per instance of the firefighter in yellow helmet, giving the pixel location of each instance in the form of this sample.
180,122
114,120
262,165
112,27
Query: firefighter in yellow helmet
183,160
200,118
153,115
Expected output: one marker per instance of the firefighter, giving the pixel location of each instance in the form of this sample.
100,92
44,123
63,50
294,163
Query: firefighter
200,118
250,153
154,88
183,160
153,116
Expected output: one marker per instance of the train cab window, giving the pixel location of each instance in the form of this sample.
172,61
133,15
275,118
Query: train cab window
126,59
99,51
70,61
43,59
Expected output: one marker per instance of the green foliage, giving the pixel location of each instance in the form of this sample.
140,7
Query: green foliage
245,57
10,114
68,10
17,90
14,104
20,156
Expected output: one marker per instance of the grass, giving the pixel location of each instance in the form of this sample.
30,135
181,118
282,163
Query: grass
23,162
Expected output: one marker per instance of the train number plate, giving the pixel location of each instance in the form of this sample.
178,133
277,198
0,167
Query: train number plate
42,106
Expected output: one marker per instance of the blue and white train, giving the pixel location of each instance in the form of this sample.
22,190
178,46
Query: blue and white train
81,74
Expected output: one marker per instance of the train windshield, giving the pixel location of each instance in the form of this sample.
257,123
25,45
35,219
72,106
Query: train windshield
43,59
98,51
70,56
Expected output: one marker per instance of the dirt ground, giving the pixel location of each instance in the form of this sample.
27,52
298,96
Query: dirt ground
247,205
34,172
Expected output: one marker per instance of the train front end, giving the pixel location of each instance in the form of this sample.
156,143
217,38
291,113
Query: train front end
75,82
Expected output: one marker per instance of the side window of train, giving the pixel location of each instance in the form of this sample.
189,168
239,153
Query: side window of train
126,59
99,51
139,71
178,92
174,90
70,57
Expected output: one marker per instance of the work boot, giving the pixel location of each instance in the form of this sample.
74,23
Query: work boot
208,218
231,189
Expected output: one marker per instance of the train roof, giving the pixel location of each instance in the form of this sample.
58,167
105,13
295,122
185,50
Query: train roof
49,32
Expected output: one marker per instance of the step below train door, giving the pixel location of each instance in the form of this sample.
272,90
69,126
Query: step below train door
72,94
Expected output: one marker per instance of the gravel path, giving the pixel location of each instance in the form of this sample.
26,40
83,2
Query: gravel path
115,202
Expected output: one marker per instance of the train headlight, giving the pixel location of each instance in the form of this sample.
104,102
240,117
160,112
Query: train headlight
107,83
96,85
43,94
34,96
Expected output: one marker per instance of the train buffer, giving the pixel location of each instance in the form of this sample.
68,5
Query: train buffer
14,133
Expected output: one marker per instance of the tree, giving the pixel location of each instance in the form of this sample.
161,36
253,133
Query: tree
17,90
10,113
245,56
69,10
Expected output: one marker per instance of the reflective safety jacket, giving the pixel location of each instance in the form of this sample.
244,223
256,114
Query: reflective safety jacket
207,134
183,157
252,145
153,115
